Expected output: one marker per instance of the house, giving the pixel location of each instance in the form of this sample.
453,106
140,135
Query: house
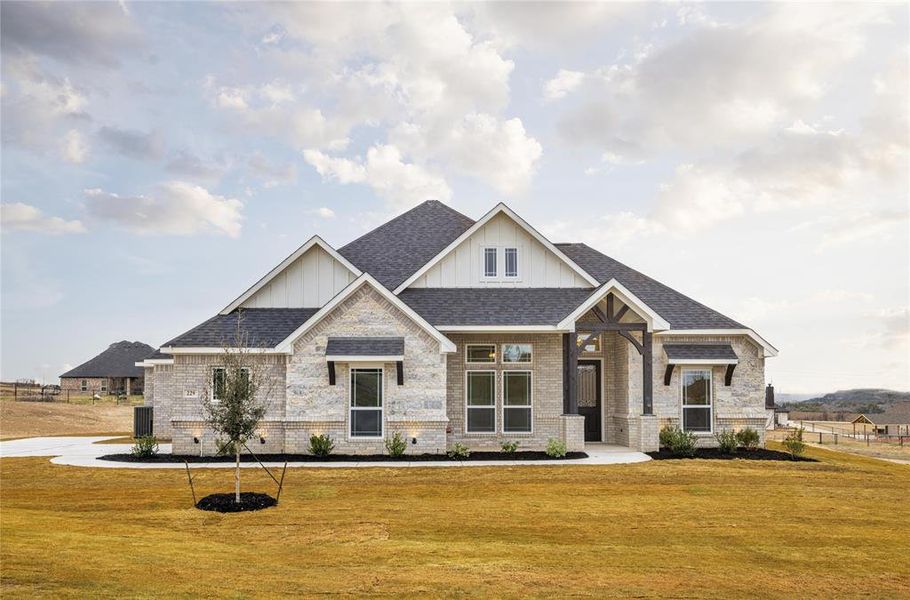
114,371
895,420
447,330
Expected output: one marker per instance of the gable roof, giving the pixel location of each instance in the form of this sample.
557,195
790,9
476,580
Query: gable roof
679,310
119,360
287,345
654,320
896,414
395,250
303,249
266,327
498,209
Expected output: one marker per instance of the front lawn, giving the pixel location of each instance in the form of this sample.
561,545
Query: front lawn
692,528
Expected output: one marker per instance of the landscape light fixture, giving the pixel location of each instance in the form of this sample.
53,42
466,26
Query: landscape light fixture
195,440
261,439
413,440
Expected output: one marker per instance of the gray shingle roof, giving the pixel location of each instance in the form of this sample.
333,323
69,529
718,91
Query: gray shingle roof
896,414
397,249
265,327
119,360
493,306
700,352
365,346
679,310
158,354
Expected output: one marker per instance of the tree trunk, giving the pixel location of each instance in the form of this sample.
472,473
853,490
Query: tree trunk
237,474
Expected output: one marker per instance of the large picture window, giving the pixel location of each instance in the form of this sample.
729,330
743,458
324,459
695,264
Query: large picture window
366,402
516,401
696,400
219,380
480,399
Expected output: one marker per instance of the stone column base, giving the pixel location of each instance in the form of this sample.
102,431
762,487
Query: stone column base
572,430
638,432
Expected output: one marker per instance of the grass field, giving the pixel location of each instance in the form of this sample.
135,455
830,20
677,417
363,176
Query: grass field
694,528
26,419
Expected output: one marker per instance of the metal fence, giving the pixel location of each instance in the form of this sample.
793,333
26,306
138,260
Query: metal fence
31,392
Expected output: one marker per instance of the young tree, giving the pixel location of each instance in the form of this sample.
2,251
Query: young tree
237,397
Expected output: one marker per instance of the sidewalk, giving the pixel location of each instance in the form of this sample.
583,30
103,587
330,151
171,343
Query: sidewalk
83,452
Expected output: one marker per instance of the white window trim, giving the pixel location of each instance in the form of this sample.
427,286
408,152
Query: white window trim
483,263
530,405
352,408
485,407
467,354
502,353
505,273
212,380
83,385
684,406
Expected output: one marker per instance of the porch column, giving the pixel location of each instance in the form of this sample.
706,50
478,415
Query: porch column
572,383
128,387
647,366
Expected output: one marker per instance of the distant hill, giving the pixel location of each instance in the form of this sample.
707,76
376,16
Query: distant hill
868,401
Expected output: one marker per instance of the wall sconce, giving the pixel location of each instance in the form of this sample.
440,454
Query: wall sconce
413,440
261,439
195,440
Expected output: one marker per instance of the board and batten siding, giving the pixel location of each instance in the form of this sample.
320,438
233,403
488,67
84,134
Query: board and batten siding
308,282
538,267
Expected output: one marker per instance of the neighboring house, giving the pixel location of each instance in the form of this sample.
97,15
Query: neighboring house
894,421
114,371
449,330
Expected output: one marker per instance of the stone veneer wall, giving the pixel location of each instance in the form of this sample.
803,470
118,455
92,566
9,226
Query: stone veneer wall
93,385
160,381
546,383
417,409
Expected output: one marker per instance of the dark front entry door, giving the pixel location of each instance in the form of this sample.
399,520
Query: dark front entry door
589,398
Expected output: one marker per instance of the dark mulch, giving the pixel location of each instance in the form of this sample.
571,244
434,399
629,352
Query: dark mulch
179,458
224,503
716,454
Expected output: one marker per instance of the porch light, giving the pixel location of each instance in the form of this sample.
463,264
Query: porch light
195,440
261,439
413,440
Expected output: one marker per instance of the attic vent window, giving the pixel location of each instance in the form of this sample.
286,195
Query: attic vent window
489,262
511,262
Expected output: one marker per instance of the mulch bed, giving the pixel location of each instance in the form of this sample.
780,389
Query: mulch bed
273,458
716,454
224,503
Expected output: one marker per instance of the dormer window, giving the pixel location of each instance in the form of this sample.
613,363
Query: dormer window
511,262
490,260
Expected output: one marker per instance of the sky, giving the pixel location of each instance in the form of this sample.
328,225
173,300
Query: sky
158,158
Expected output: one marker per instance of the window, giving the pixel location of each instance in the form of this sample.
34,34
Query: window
104,385
366,402
83,385
480,353
511,262
593,345
516,353
219,381
516,402
490,259
481,402
696,400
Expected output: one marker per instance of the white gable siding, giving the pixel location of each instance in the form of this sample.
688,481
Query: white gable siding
538,266
308,282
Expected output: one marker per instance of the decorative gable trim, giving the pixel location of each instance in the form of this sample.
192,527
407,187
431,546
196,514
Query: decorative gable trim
654,320
313,241
499,208
287,345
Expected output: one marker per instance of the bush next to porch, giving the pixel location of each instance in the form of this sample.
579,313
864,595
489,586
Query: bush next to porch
677,441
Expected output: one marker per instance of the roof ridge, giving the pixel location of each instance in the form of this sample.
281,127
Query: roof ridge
404,214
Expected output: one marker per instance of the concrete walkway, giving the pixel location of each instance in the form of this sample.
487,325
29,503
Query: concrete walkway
83,452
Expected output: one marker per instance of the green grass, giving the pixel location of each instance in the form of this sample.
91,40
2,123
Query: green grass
690,528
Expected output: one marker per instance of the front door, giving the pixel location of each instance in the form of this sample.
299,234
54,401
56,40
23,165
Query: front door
589,398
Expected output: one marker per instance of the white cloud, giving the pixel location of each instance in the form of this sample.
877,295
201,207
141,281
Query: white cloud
875,227
564,82
401,184
323,212
17,216
176,208
73,147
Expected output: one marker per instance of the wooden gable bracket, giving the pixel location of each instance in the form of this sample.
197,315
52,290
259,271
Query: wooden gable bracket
331,365
399,371
668,374
728,376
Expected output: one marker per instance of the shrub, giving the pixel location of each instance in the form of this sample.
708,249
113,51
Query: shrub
748,438
458,451
556,448
509,447
794,443
726,441
396,445
321,445
145,447
677,441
